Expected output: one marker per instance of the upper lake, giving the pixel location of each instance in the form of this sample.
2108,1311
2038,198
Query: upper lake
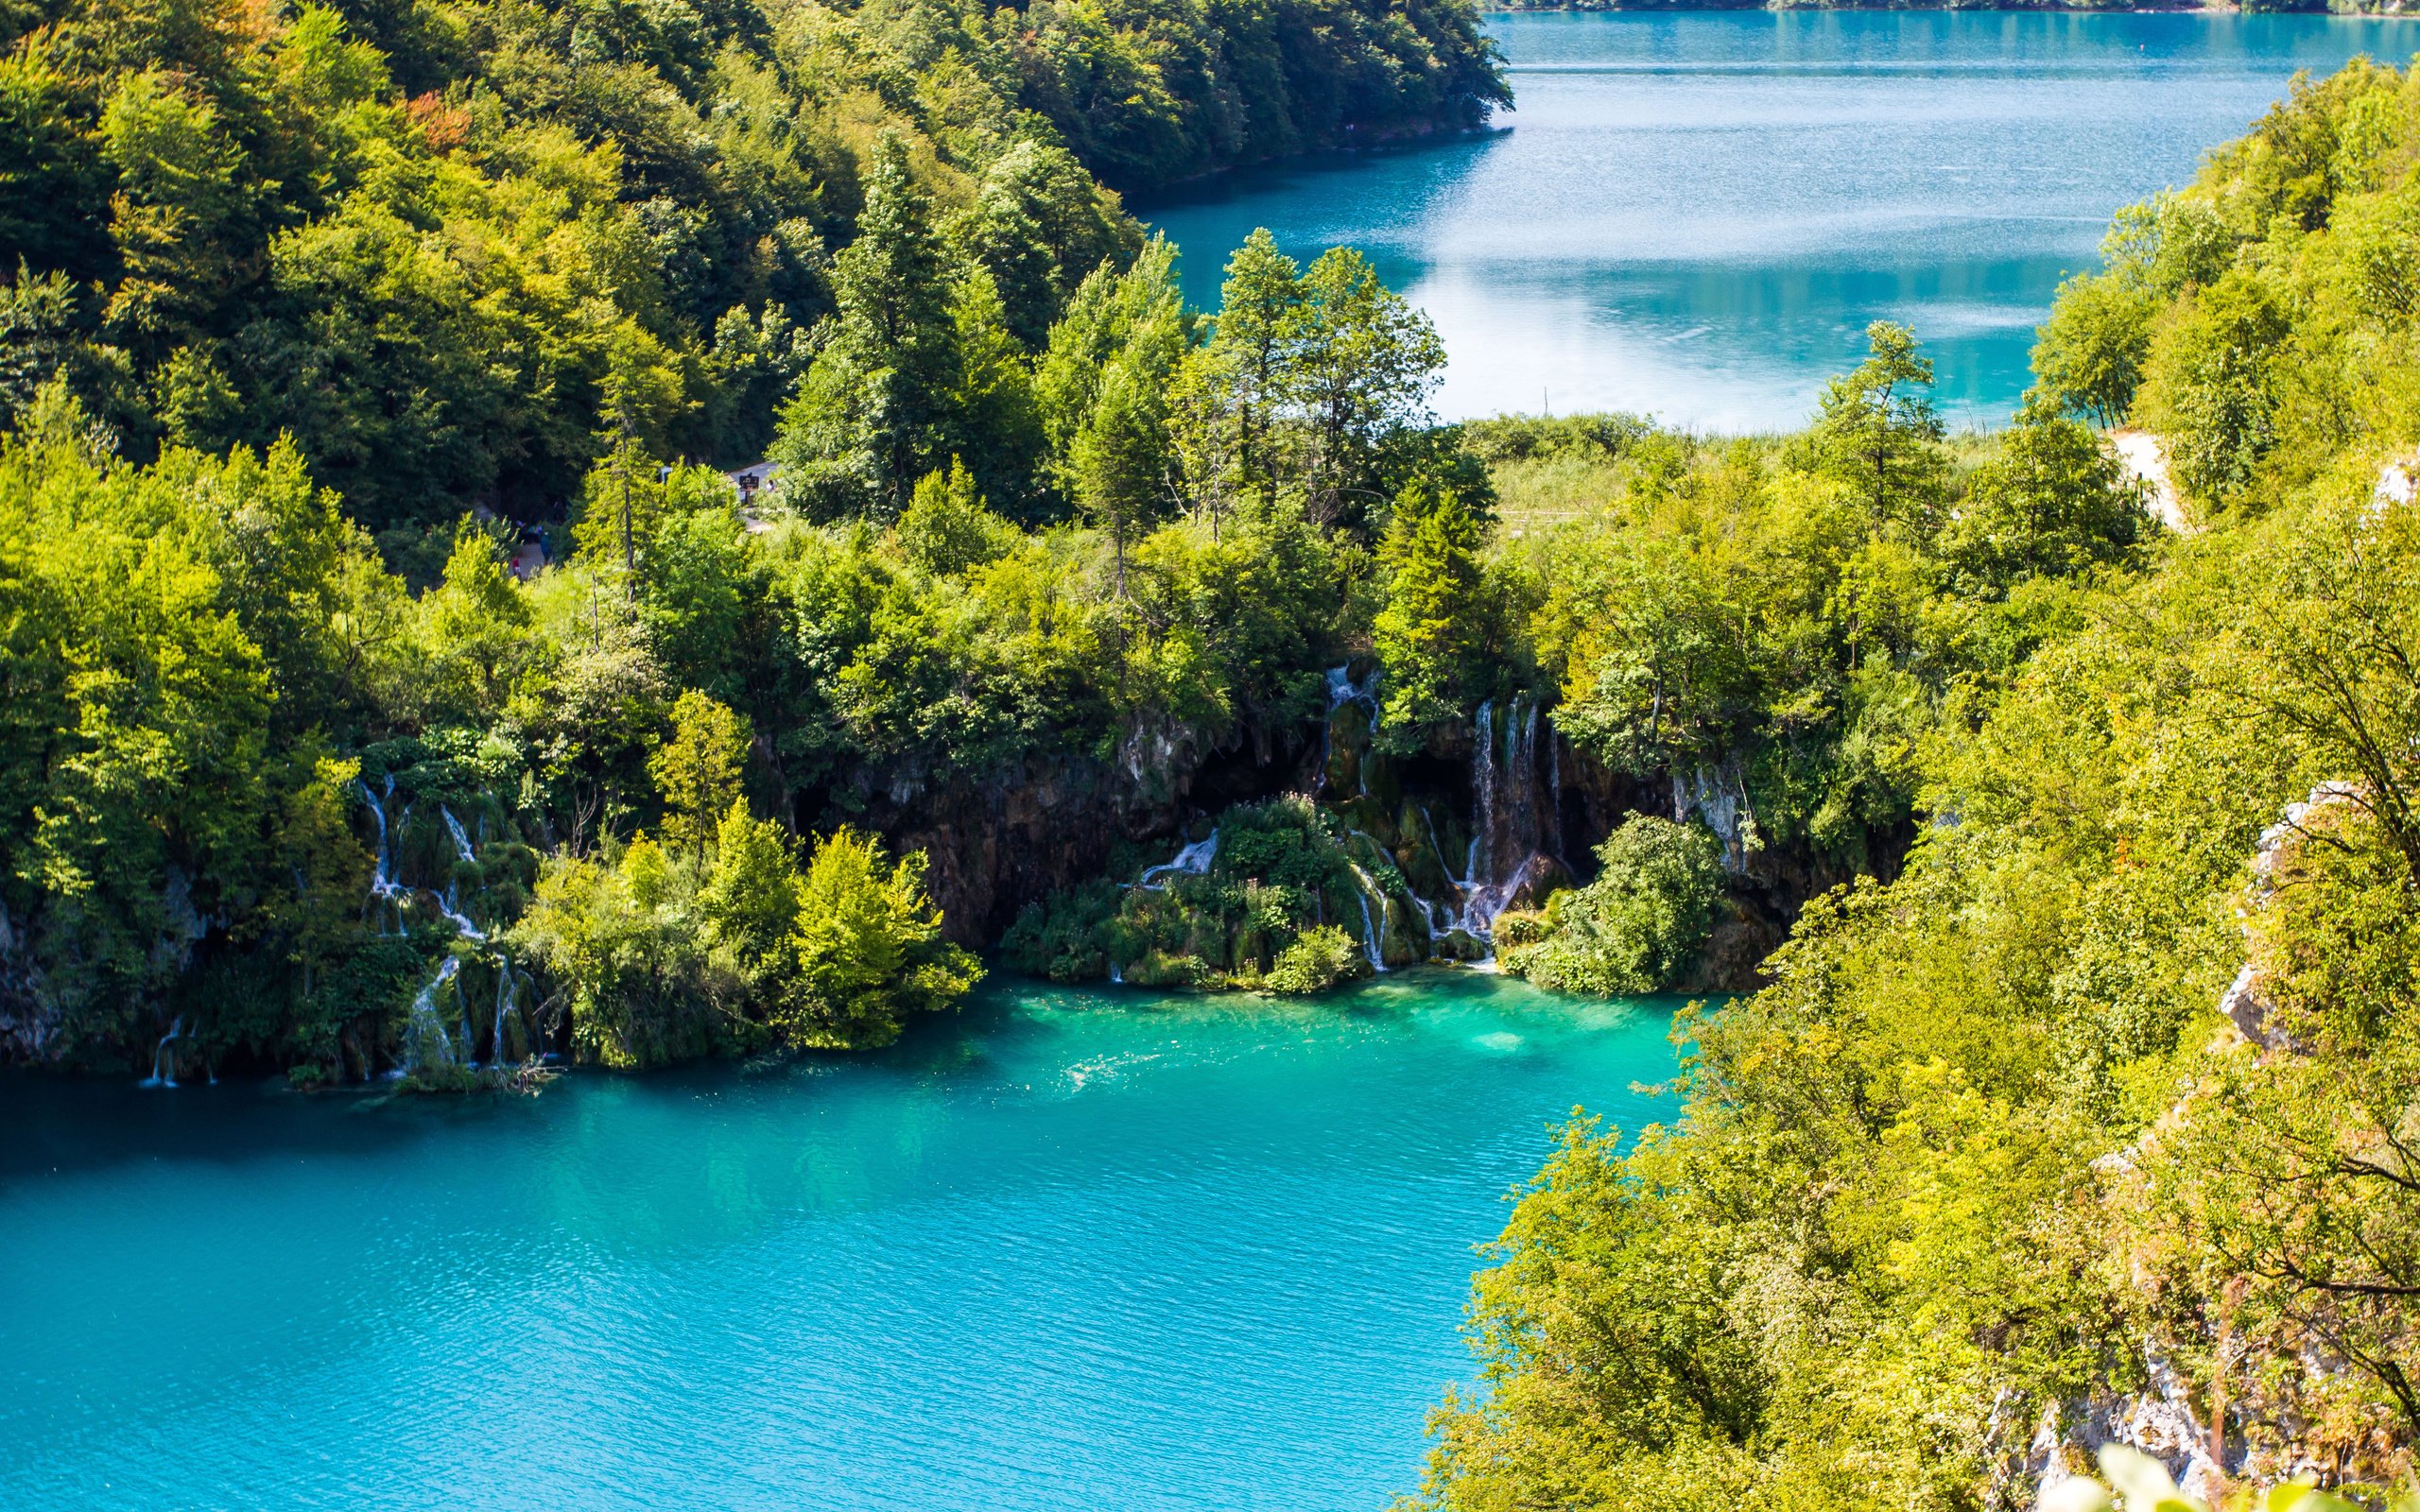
1695,216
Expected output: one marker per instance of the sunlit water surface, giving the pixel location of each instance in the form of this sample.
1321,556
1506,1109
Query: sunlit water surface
1097,1250
1696,214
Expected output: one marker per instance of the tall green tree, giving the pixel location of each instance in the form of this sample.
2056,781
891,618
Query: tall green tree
1229,393
697,772
1105,383
1361,364
1434,626
868,418
1878,433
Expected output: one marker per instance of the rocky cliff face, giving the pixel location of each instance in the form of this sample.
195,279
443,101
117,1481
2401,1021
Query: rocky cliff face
1480,818
1001,844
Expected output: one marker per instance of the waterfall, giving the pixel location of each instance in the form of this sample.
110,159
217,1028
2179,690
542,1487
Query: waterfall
1373,936
1439,917
383,886
1517,792
1507,832
1554,792
503,1003
1343,690
427,1034
1115,975
1192,861
460,921
1716,795
428,1029
1482,863
164,1071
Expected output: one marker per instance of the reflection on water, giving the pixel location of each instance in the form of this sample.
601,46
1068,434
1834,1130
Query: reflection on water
1696,214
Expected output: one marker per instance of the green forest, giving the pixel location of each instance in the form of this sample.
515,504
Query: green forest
323,325
2104,1110
398,685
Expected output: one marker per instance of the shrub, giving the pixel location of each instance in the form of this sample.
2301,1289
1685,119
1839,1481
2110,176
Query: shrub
1320,959
1160,969
869,950
1636,927
1281,865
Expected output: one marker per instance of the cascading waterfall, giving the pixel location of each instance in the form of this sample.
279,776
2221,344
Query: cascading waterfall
502,1004
428,1030
1521,765
1483,863
1716,795
1554,792
460,921
164,1071
447,904
1341,689
1507,833
1439,917
1373,937
383,886
1193,860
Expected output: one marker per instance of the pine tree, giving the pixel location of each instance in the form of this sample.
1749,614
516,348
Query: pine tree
863,427
1433,627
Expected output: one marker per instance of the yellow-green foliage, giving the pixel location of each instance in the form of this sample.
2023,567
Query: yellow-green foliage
869,950
660,957
2266,319
1321,956
1987,1147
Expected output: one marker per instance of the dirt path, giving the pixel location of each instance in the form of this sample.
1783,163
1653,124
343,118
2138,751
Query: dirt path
2143,457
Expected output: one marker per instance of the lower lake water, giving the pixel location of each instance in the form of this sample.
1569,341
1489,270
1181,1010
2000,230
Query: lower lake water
1107,1251
1695,214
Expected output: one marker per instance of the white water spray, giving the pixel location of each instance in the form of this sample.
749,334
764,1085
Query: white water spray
428,1029
164,1069
1373,937
502,1004
1192,861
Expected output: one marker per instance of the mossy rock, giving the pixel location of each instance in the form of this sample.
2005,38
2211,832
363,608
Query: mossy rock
1460,945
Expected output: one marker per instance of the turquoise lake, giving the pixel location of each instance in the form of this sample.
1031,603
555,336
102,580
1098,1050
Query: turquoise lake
1102,1250
1695,214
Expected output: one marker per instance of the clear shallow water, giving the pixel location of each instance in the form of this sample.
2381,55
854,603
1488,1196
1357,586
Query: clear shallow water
1696,214
1064,1250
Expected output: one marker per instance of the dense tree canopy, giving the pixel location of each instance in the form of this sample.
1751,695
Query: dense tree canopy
435,243
2100,1115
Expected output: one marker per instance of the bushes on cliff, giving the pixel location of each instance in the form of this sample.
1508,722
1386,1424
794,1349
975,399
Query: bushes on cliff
1321,956
1282,874
1636,927
659,957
